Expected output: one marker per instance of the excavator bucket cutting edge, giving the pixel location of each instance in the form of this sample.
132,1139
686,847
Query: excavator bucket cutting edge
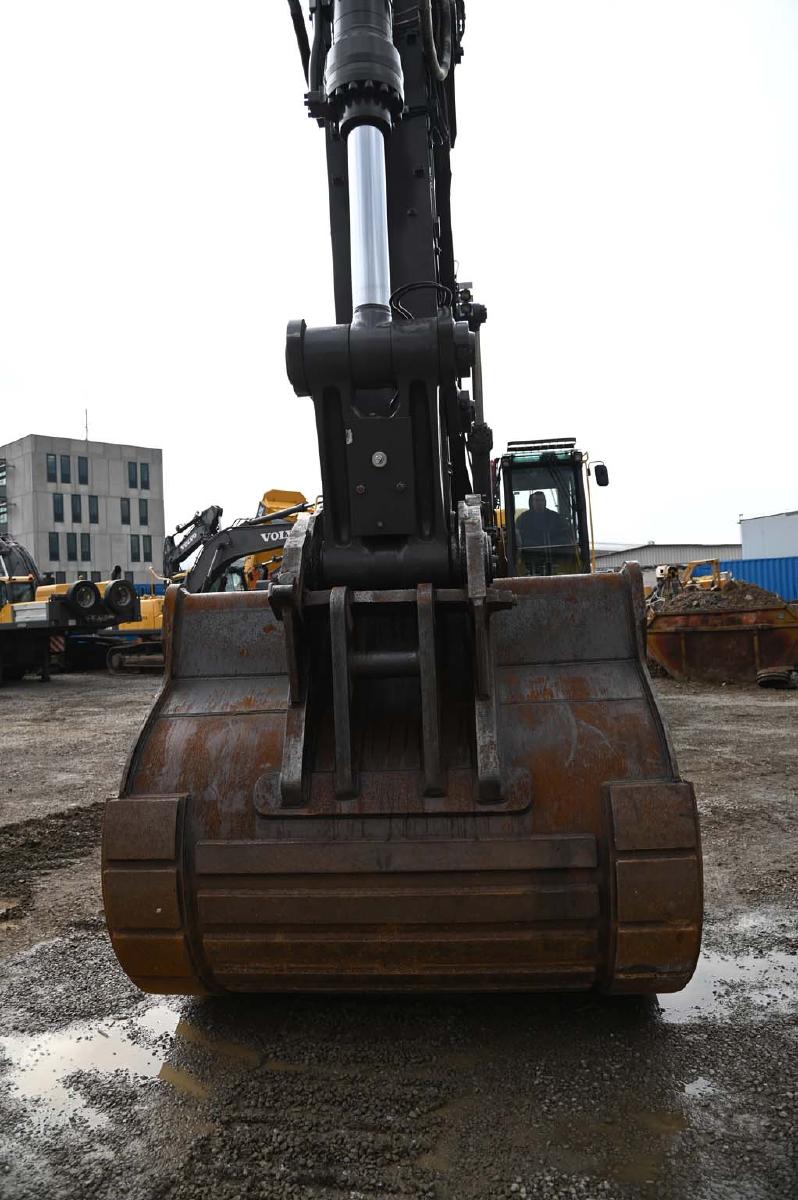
535,836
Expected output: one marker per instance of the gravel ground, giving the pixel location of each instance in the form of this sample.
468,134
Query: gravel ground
105,1093
65,742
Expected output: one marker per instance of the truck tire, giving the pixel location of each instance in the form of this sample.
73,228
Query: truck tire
83,598
120,597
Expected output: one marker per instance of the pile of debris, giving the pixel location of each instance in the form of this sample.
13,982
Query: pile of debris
735,594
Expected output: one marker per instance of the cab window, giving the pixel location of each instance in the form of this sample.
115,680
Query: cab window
546,519
231,579
20,592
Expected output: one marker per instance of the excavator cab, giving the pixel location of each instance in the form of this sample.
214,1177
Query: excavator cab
16,591
408,765
277,500
18,572
546,527
232,579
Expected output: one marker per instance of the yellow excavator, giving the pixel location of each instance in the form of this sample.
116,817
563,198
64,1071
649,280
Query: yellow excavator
402,765
276,505
545,522
235,559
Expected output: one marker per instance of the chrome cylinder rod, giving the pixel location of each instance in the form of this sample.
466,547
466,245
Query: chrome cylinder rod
368,218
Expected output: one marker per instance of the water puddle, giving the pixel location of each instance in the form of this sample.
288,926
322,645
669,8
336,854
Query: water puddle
51,1071
723,983
41,1064
184,1082
699,1088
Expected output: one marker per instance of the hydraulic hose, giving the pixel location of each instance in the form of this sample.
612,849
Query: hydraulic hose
317,52
439,64
298,18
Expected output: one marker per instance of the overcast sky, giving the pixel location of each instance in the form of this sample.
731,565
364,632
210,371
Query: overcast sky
625,201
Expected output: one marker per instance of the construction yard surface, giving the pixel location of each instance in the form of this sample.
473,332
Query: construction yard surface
108,1093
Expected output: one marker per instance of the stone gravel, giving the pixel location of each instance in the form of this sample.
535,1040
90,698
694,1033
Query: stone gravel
105,1093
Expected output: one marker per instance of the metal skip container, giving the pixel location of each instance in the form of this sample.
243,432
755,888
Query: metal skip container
731,645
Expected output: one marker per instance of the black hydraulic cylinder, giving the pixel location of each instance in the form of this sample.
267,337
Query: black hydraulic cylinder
364,72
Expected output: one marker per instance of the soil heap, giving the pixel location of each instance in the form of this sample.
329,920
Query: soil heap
735,593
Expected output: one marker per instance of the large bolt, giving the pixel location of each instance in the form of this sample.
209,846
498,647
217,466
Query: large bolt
360,488
379,458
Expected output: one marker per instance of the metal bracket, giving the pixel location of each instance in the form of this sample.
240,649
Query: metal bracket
340,627
285,598
348,663
475,552
434,784
288,597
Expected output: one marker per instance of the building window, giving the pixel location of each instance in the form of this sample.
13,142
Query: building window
3,478
72,547
143,512
94,510
3,516
60,576
129,576
83,470
132,475
76,509
55,552
147,547
51,476
95,576
124,507
85,547
66,470
82,575
145,476
58,506
135,554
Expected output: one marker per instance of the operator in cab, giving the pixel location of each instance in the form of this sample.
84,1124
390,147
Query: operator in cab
542,526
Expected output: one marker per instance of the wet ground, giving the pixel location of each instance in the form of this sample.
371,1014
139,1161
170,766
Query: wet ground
105,1093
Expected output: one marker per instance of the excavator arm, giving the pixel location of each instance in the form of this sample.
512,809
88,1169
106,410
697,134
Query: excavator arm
202,526
263,535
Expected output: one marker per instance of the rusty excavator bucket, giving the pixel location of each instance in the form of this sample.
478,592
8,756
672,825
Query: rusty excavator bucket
395,770
394,829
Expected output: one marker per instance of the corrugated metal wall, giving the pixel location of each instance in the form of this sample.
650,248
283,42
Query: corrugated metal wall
775,536
653,554
779,575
